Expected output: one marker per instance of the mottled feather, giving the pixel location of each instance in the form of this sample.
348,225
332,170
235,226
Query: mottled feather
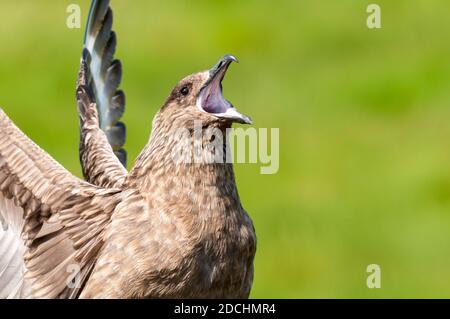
56,219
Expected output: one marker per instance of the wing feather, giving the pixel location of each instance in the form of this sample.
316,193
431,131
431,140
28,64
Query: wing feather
50,220
100,103
105,72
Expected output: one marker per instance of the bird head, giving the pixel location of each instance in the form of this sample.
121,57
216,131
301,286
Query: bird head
198,97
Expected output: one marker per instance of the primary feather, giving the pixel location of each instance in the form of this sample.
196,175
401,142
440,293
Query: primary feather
105,75
100,103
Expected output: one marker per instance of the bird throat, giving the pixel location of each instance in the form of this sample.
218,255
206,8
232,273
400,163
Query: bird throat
187,162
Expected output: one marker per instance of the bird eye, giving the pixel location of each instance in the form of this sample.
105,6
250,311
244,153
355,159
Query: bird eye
184,90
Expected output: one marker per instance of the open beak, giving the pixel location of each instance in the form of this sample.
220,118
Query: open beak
211,100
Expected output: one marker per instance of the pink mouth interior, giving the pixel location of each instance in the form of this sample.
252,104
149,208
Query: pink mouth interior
212,98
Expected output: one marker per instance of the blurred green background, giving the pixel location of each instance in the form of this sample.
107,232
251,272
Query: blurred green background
363,115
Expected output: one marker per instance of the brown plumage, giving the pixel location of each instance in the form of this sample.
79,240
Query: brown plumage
164,230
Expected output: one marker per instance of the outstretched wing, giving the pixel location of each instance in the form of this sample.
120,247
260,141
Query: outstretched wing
101,104
51,222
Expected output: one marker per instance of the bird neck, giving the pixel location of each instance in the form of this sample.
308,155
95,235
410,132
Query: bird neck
186,162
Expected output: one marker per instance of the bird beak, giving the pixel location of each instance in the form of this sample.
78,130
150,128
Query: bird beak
211,100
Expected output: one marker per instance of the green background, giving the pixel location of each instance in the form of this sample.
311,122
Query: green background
363,115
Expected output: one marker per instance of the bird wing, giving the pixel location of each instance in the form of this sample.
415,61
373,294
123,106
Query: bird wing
51,222
100,103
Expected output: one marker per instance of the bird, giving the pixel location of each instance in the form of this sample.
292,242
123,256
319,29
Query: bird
164,229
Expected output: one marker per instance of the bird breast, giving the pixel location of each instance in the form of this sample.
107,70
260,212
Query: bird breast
184,243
